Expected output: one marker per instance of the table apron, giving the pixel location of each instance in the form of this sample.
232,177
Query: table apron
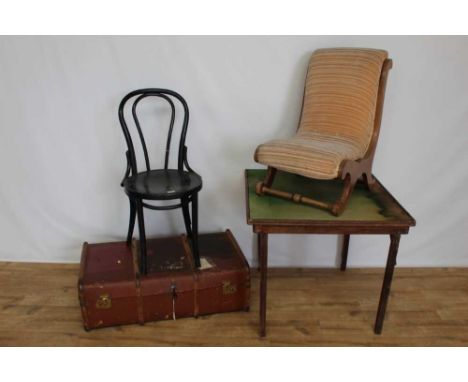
322,229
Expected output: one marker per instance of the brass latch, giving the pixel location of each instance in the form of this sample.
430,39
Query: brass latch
229,288
104,301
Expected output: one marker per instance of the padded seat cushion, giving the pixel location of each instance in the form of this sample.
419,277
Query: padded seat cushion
309,154
338,114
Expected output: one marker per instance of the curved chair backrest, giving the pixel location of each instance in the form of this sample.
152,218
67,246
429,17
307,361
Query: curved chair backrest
341,92
167,95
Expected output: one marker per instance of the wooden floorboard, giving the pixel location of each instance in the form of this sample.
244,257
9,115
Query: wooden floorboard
306,307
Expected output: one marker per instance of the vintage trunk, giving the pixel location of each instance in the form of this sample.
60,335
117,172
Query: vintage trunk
112,292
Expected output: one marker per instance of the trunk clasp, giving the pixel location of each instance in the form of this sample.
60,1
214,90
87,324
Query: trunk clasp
104,301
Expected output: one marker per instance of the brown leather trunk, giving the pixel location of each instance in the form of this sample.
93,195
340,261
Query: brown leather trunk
112,292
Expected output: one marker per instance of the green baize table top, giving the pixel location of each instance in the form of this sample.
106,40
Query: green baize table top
375,205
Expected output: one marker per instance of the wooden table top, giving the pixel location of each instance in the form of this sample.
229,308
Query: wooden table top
368,211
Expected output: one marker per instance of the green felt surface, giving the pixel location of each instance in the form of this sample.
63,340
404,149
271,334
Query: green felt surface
363,205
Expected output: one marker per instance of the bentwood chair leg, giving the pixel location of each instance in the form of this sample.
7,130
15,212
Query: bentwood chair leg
131,223
141,228
186,214
195,249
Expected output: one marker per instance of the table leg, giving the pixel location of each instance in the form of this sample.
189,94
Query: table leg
344,252
263,257
387,282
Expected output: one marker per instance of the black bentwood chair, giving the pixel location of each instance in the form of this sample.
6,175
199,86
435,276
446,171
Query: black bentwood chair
161,184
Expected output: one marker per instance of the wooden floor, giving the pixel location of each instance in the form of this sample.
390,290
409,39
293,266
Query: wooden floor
39,306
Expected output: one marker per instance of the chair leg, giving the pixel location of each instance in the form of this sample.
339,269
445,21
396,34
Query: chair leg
338,207
195,249
141,229
186,214
368,180
270,177
131,223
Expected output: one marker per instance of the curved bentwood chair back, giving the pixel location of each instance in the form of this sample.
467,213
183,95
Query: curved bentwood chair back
166,95
161,184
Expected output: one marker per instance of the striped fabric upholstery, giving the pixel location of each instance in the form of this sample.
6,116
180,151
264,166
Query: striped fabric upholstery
337,117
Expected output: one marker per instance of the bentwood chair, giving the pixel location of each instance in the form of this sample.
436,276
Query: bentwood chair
181,183
339,125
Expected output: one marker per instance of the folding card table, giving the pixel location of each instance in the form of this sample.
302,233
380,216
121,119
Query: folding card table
369,211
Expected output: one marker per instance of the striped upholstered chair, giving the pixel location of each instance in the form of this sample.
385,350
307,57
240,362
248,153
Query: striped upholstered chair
339,125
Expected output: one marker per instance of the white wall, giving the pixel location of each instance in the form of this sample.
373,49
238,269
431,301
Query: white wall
62,150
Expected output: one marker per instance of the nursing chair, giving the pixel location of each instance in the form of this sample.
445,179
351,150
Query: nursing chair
339,125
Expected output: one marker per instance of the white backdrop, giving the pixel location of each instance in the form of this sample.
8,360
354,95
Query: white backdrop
62,150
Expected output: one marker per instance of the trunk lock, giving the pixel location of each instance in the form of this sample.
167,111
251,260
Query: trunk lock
229,288
104,301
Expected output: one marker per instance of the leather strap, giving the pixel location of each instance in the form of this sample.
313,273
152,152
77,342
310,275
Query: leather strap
139,296
139,300
196,309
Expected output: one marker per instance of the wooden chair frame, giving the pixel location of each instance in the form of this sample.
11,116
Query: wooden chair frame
350,171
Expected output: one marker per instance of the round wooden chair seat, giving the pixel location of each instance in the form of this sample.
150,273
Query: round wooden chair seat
162,184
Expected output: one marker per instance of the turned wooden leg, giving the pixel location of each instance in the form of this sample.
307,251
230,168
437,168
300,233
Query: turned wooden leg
337,208
263,254
344,252
387,282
